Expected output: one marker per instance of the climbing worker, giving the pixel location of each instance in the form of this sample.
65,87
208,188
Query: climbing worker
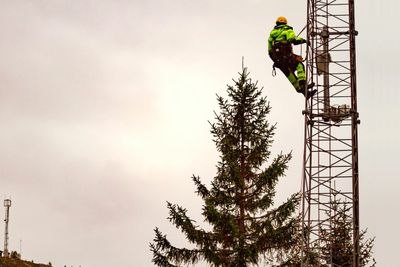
280,51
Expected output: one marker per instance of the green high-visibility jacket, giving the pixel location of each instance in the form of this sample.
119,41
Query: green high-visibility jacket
283,33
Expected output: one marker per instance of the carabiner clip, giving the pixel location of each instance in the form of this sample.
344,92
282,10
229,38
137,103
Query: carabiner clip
273,70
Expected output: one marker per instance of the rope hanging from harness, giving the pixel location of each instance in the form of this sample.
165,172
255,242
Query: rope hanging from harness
301,50
273,70
301,47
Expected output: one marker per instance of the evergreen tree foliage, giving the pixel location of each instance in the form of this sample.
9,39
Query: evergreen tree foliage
246,226
337,244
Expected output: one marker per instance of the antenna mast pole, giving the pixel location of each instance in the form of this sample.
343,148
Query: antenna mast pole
7,205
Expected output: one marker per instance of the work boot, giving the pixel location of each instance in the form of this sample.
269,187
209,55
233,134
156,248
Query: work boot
303,86
311,93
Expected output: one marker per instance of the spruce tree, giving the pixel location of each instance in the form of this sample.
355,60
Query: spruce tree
246,226
337,244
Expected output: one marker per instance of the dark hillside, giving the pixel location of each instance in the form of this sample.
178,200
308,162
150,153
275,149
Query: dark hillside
10,262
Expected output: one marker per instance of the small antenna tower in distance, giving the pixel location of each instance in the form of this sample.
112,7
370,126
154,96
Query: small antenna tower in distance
7,205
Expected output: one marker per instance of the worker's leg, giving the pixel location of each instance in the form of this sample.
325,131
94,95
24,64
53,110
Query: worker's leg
298,82
294,81
290,76
301,75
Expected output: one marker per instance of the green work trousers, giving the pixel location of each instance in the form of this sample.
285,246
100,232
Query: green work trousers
293,68
294,79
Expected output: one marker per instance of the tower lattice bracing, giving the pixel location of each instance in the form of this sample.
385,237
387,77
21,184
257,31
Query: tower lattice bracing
331,148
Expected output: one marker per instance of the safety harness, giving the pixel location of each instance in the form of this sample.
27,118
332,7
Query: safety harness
283,57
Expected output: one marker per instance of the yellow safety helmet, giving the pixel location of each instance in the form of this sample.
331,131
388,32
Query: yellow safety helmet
281,20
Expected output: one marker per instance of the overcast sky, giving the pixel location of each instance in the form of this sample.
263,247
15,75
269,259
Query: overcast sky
104,110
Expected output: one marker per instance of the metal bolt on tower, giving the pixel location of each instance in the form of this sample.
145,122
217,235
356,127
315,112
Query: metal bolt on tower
330,175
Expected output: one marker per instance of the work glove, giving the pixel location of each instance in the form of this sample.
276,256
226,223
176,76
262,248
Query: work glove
301,41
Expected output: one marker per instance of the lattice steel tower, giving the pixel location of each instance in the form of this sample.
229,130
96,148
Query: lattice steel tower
330,175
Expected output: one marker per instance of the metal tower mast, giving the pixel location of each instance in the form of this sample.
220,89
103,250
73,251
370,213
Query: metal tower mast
7,205
330,175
